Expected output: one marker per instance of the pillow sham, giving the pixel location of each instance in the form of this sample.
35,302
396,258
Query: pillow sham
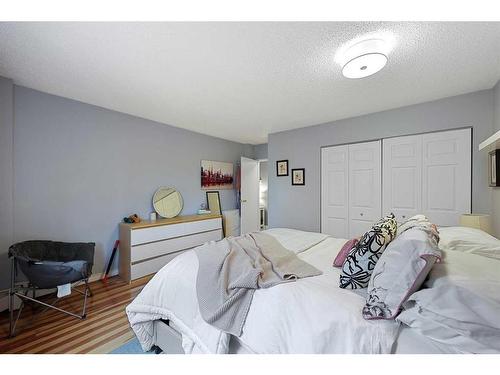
344,252
360,262
460,304
422,222
400,271
469,240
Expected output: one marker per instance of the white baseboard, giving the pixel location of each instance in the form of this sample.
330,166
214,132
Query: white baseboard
4,299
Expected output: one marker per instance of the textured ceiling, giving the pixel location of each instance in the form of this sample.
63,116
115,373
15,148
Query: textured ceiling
242,81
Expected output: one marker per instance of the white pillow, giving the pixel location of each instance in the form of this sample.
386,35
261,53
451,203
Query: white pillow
460,306
469,240
400,272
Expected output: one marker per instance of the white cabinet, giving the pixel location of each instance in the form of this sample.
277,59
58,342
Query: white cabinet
429,174
446,176
334,191
402,176
147,246
350,188
365,186
426,174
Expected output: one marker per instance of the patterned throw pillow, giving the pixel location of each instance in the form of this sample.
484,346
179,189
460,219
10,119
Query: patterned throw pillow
359,264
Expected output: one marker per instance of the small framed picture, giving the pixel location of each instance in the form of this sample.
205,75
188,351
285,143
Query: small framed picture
298,176
282,168
494,168
213,202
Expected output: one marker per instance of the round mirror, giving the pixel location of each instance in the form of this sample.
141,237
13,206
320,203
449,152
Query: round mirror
167,202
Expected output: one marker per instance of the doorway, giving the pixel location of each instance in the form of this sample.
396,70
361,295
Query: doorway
254,202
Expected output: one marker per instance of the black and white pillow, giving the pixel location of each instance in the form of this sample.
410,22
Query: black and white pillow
359,264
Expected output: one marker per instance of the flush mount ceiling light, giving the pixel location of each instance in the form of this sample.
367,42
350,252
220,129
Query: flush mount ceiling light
362,58
364,65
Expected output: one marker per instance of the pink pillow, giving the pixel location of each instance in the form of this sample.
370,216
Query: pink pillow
344,252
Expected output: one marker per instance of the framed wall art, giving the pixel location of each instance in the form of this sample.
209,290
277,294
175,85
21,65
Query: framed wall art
282,168
216,175
298,176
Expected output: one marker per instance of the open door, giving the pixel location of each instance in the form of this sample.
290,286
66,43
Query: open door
249,195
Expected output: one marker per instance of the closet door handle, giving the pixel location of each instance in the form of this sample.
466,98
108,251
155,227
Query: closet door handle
361,214
243,200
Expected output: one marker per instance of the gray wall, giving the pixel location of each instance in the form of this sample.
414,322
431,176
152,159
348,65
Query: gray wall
6,175
79,169
496,191
260,151
299,206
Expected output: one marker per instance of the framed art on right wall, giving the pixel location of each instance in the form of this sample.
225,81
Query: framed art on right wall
298,176
494,168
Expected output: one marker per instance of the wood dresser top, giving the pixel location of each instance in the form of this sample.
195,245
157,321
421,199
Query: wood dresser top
174,220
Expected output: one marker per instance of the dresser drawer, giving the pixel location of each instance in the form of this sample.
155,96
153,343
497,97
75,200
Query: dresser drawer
154,249
145,235
148,267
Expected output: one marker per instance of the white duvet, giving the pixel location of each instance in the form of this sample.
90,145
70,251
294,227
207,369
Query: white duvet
312,315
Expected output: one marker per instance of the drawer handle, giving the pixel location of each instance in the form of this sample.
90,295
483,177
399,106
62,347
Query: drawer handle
361,214
403,216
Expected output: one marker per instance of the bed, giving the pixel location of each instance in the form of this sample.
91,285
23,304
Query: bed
311,315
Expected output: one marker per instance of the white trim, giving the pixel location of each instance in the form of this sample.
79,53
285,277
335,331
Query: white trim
491,142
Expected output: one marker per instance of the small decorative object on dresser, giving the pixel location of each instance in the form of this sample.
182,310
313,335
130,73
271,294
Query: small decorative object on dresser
298,176
147,246
282,168
216,175
213,202
494,168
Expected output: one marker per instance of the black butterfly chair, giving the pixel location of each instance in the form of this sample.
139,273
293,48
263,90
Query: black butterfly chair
47,264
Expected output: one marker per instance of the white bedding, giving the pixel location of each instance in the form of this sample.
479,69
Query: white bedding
311,315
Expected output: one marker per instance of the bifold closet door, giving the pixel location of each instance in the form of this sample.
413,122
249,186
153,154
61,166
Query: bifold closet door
402,176
334,191
446,175
365,186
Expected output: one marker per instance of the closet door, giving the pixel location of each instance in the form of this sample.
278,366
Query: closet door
365,195
334,190
446,176
402,176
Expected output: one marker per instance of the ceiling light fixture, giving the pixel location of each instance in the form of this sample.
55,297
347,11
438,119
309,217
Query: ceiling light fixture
363,57
364,65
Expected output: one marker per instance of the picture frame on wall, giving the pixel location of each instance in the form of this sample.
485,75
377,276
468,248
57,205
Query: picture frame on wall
216,175
494,168
213,202
298,176
282,168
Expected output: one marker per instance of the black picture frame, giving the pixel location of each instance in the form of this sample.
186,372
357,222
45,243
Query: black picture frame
303,182
494,168
278,168
211,208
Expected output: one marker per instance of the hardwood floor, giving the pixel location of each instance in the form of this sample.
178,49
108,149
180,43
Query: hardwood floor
105,328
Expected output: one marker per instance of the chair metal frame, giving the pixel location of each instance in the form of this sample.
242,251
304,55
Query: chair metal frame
22,293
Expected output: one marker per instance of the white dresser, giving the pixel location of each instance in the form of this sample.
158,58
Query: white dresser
147,246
